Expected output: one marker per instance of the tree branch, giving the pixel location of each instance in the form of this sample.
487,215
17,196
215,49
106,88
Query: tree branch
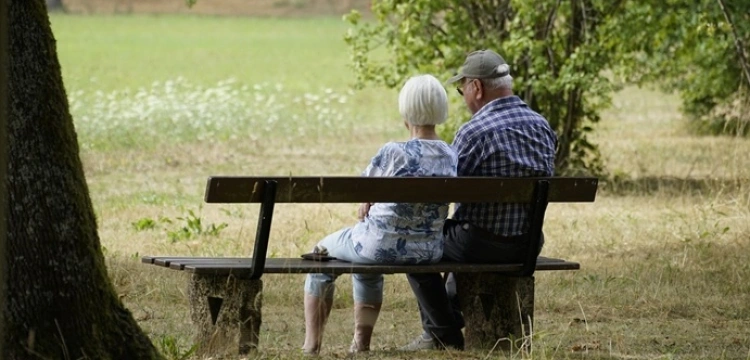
737,41
548,32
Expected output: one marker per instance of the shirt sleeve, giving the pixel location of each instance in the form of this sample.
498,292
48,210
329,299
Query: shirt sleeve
378,163
469,153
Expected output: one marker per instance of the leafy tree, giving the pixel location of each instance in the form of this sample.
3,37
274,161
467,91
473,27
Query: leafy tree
698,48
58,301
553,47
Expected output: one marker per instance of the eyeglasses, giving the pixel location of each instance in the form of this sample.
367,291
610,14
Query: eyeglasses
460,89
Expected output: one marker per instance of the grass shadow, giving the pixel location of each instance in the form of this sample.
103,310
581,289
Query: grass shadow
650,185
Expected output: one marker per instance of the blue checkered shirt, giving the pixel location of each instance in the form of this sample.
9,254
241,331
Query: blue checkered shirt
505,138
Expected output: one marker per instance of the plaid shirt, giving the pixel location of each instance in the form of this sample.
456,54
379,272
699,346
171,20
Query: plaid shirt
505,138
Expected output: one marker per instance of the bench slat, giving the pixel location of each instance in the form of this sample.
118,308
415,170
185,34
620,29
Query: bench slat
228,189
167,261
342,267
240,267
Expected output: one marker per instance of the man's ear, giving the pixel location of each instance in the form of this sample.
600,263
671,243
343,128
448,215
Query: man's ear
479,92
406,124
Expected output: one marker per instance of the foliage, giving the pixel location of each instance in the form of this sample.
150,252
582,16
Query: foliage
194,227
144,224
553,48
691,47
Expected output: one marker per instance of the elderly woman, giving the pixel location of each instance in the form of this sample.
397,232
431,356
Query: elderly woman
388,233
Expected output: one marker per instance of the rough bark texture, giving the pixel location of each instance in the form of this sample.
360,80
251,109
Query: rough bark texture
61,304
3,163
496,309
236,316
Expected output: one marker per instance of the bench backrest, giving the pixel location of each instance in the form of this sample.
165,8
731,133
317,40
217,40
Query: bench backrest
398,189
268,191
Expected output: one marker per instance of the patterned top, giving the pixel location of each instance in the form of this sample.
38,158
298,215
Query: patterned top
503,139
403,233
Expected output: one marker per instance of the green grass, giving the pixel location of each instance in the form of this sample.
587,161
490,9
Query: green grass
113,52
664,249
159,80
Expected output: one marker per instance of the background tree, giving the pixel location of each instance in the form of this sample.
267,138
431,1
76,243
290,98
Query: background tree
565,55
553,48
697,48
60,303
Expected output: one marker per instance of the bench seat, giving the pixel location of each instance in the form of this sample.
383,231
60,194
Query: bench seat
241,267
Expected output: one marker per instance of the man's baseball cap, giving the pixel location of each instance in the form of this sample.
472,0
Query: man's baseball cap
482,64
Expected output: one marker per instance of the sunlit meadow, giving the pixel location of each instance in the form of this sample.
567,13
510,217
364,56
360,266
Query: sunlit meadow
177,111
162,102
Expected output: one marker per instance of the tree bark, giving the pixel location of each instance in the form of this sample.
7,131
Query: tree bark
60,301
4,69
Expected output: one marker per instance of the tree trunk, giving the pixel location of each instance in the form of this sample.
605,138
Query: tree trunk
55,5
4,30
60,301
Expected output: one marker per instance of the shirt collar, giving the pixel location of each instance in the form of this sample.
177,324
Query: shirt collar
503,102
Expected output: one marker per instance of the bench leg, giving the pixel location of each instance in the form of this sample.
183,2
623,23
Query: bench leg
498,310
226,311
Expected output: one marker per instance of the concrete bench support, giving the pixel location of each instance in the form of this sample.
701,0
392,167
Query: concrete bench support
226,312
498,310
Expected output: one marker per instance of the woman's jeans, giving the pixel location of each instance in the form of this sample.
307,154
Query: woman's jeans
368,288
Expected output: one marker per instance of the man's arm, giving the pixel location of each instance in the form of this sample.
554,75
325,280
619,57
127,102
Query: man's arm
470,152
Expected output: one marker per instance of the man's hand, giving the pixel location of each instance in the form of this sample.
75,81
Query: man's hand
364,209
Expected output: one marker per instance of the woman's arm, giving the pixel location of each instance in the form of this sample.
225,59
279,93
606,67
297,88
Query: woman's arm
364,210
378,167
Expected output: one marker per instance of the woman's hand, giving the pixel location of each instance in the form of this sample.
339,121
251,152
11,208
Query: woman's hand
364,209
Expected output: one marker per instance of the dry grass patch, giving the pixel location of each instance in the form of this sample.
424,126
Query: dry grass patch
664,270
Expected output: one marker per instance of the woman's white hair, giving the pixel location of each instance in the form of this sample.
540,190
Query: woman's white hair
503,82
423,101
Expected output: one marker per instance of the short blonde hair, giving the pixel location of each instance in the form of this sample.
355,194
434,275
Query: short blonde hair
423,101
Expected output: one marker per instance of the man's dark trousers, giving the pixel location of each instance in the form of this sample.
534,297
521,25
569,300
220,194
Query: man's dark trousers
464,242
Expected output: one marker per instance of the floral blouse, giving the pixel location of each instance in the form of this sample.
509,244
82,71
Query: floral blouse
404,233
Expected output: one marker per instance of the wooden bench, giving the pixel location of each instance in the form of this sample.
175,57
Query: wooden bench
497,299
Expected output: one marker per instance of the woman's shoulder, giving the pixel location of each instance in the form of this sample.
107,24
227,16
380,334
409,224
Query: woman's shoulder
391,148
439,146
417,146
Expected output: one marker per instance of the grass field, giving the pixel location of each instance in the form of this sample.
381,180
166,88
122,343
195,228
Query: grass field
162,102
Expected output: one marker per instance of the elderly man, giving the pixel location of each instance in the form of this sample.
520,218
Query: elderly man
504,138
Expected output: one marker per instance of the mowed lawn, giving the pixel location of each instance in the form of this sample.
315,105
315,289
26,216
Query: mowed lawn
162,102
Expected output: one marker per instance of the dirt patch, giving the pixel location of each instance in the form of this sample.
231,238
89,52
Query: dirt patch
265,8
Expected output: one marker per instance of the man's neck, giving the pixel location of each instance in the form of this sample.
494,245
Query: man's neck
495,95
498,94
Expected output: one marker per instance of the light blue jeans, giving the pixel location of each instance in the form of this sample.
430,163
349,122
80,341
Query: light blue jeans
368,288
